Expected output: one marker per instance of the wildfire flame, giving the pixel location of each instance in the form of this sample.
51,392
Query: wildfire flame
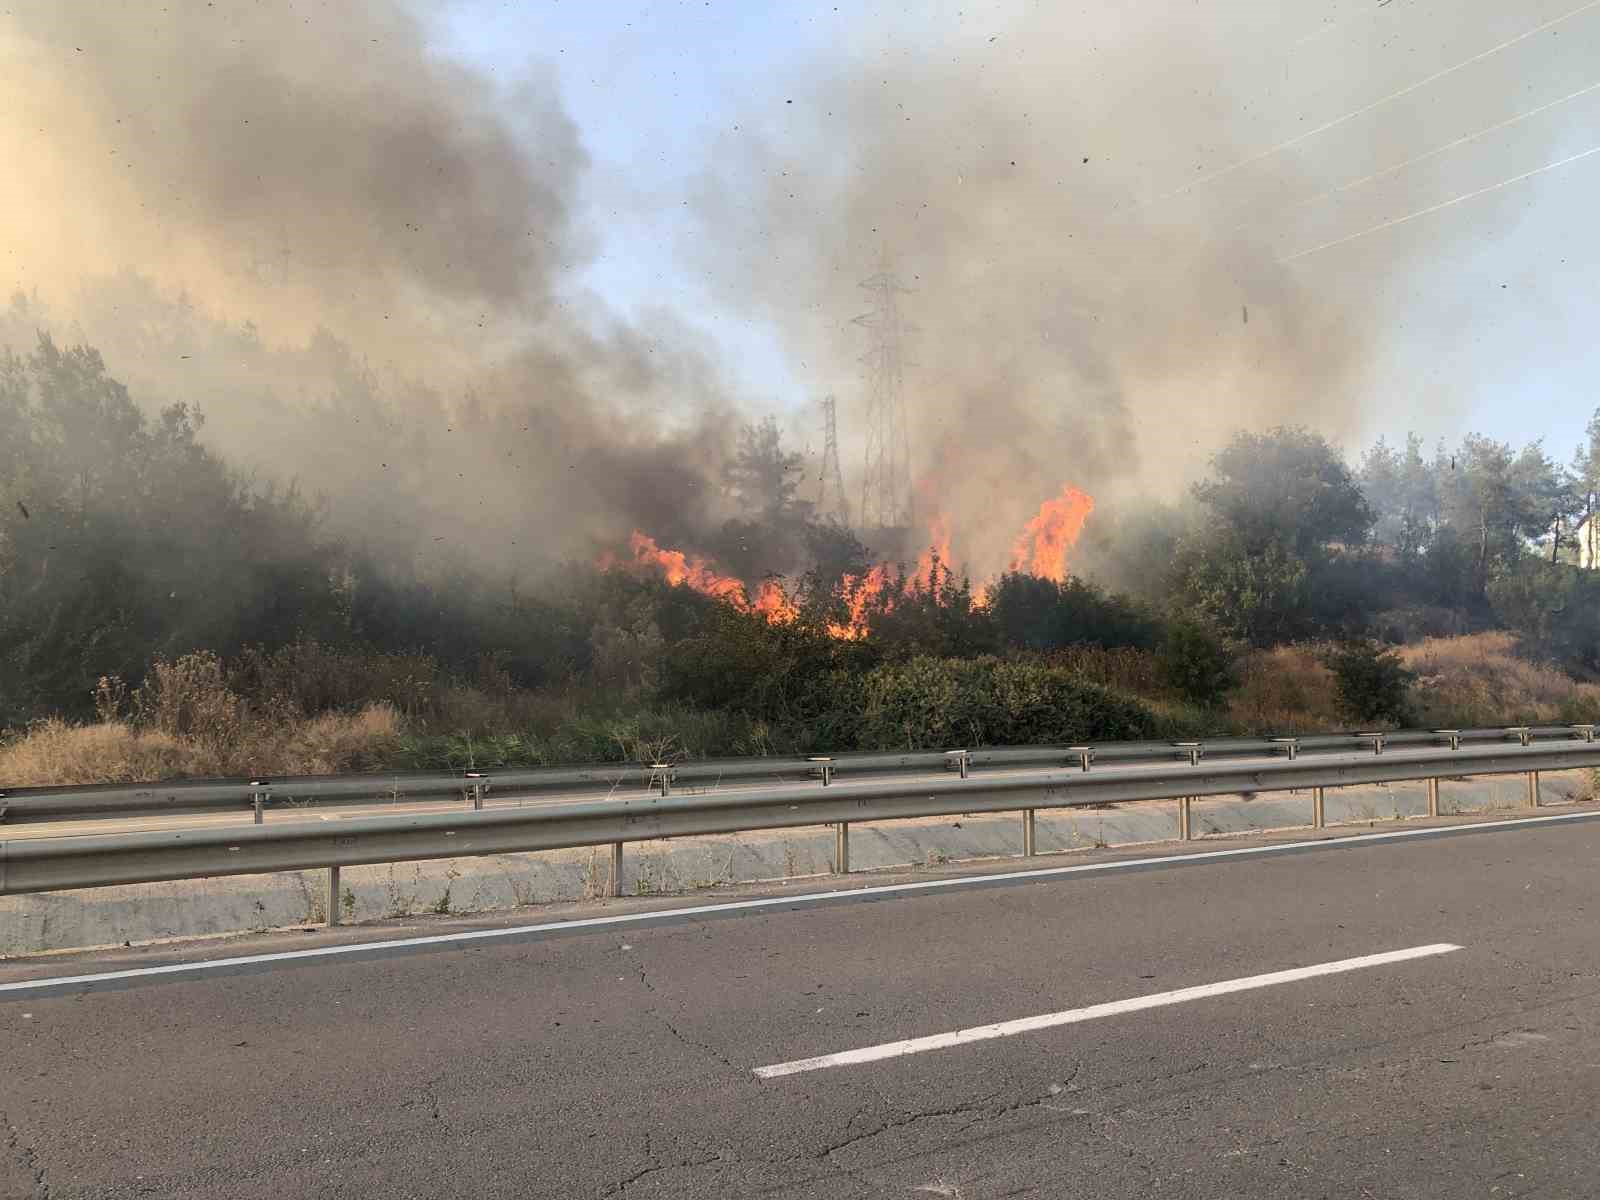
938,547
696,573
1044,542
862,591
859,593
1041,549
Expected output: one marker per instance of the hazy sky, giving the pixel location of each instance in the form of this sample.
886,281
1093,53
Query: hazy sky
1482,315
1129,228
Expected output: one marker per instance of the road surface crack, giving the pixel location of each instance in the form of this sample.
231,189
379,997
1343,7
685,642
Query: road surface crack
667,1024
1165,1077
981,1109
622,1185
692,1042
24,1157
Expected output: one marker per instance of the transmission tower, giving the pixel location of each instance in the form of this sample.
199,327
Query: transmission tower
885,499
830,495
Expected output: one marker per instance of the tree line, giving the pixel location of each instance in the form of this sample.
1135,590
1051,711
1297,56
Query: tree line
124,539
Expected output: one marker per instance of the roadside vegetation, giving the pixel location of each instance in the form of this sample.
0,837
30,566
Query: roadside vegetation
162,616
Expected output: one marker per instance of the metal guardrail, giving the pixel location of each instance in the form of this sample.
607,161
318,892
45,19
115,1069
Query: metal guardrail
34,804
51,864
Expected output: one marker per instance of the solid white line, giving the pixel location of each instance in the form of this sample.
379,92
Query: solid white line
984,1033
291,957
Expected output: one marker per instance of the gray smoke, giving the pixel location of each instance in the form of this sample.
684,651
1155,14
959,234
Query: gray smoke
357,260
1093,307
1085,315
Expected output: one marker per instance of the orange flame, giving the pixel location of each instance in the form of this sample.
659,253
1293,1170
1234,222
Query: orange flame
1044,542
696,573
774,604
859,592
939,547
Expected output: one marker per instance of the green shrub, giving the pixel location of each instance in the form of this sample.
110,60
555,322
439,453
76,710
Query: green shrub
926,703
1196,663
1040,614
1372,683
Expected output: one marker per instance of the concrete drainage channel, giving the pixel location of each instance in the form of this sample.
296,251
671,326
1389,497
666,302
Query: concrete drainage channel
112,916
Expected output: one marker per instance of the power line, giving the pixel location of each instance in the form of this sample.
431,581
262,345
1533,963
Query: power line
1376,104
1435,152
1390,224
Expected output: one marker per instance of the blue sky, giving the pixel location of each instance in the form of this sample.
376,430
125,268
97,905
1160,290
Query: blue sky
1485,316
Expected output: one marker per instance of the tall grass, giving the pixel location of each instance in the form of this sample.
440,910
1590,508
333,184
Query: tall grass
1288,689
55,752
1481,679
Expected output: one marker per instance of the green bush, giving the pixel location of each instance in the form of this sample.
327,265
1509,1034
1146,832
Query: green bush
1372,684
1196,663
927,703
1040,614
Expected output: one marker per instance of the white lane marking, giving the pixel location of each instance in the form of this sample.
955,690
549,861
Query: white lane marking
984,1033
290,957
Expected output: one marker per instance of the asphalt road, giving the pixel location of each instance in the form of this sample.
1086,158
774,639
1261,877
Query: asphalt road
621,1061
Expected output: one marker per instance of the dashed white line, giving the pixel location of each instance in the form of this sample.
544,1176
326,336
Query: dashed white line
984,1033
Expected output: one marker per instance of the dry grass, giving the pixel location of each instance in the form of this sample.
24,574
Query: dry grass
1479,680
1462,682
54,752
1283,690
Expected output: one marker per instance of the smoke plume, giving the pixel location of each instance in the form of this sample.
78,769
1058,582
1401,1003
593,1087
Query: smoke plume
356,259
1098,293
1096,302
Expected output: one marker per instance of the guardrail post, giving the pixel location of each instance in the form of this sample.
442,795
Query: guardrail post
1524,736
258,797
333,895
1453,736
824,768
841,848
1084,755
1433,797
1290,744
616,869
1375,737
1317,812
1027,833
473,792
962,760
1192,750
